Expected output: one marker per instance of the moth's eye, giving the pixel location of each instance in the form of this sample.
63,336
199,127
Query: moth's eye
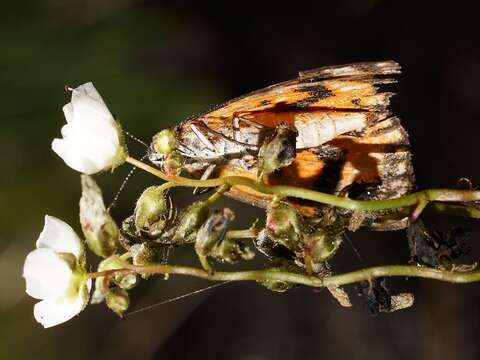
164,142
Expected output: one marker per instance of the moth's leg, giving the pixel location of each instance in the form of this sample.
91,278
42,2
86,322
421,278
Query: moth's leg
206,174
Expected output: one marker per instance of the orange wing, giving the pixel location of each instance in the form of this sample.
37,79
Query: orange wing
371,162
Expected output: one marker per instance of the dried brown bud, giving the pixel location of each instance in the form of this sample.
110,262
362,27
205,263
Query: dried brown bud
190,221
277,151
213,231
100,230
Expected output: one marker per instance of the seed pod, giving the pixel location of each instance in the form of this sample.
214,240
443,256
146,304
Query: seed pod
142,254
100,230
190,221
284,225
212,232
277,151
124,281
231,251
173,163
150,211
276,285
321,243
118,301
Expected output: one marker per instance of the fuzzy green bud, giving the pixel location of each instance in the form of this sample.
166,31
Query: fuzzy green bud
143,254
150,210
276,285
231,251
322,243
118,301
284,225
122,280
164,142
190,221
173,163
100,230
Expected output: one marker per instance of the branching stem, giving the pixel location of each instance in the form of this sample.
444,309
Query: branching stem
296,278
421,198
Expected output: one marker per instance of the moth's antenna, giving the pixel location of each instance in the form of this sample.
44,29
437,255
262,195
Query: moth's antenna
350,242
135,138
177,298
124,183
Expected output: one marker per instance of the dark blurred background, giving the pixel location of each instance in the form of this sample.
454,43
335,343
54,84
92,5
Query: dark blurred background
156,63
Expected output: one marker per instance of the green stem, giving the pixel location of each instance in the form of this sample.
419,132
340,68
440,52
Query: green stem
218,194
308,280
454,209
243,234
425,196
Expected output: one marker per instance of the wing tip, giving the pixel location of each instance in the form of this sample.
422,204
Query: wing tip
372,68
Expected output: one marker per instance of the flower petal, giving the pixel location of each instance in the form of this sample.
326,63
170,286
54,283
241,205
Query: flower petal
69,149
51,312
68,112
87,89
46,274
59,236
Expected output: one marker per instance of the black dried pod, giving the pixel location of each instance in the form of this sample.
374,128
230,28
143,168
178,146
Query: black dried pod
423,244
456,242
376,296
433,249
268,247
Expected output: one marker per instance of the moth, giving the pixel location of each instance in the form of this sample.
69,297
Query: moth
346,142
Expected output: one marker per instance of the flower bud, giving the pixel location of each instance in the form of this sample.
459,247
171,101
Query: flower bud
173,163
277,151
164,142
190,221
123,280
213,231
150,210
276,285
118,301
100,230
143,254
284,225
322,243
231,251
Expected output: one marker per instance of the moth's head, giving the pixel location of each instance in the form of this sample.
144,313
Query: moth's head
163,144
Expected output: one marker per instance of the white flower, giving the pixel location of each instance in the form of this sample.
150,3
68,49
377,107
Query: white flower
55,273
92,139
